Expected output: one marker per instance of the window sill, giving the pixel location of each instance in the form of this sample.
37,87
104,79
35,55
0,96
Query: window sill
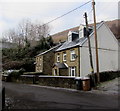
72,60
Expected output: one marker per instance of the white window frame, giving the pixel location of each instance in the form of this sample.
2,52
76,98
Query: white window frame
73,68
55,72
81,33
58,58
70,38
72,53
64,54
37,59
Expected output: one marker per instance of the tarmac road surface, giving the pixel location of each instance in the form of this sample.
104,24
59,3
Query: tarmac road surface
26,96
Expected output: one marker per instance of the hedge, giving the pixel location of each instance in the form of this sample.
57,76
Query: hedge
104,76
14,75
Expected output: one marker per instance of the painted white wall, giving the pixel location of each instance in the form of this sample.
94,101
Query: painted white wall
108,52
81,31
108,61
105,38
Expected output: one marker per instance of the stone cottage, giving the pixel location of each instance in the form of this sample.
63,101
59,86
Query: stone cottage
72,58
45,60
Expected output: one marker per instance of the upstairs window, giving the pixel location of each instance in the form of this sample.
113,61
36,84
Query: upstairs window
81,33
70,38
37,59
58,58
64,56
72,55
82,30
40,59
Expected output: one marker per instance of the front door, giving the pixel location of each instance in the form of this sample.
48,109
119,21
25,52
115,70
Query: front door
55,72
72,71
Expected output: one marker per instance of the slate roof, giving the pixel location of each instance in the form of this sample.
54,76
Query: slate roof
51,49
77,42
74,43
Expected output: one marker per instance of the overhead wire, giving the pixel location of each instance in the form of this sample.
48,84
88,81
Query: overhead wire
66,13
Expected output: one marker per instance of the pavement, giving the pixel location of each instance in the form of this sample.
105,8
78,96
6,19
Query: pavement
110,87
28,96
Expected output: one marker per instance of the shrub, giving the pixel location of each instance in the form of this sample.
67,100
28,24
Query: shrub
12,65
15,74
105,76
28,65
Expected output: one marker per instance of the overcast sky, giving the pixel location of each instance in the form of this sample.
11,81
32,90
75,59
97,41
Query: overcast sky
13,11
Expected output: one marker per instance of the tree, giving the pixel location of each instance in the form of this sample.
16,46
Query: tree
32,31
4,39
26,32
50,41
9,35
23,35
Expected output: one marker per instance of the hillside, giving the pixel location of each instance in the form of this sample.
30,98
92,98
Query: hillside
113,25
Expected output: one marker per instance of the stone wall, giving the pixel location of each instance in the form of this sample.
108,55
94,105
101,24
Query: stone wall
58,82
48,61
44,63
39,63
54,81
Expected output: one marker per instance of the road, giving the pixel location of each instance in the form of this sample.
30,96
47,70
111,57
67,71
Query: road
26,96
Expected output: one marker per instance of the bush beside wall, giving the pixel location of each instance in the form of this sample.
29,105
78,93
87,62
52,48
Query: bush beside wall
104,76
13,76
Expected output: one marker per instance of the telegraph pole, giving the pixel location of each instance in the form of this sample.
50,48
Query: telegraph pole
96,44
89,44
